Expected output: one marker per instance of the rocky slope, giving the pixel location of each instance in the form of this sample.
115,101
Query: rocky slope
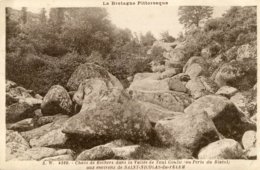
179,111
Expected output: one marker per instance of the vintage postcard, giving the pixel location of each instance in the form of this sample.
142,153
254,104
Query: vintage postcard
129,84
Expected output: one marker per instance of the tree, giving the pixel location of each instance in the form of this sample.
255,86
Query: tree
43,16
87,29
147,39
24,15
57,18
193,15
167,37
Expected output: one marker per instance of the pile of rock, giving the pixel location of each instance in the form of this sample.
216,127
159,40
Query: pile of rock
180,112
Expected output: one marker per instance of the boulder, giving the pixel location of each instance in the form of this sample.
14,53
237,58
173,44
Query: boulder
246,52
157,67
96,153
223,113
174,59
170,73
222,149
39,153
31,101
10,99
196,88
249,139
201,86
122,149
43,120
19,92
149,85
195,66
229,74
125,152
231,53
148,152
209,84
20,111
182,77
171,100
251,153
15,144
195,70
227,91
48,135
37,96
67,157
141,76
175,84
92,91
155,112
87,71
191,131
23,125
245,102
9,84
206,53
57,100
109,121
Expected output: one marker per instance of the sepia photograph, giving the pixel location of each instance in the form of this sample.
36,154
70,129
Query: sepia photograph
117,82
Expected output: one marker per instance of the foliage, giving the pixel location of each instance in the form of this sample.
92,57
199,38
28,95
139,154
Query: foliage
147,39
166,37
193,15
44,51
236,27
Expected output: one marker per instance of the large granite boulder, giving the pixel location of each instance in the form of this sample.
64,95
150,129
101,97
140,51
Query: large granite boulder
93,91
224,114
57,100
110,120
229,74
87,71
222,149
191,131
